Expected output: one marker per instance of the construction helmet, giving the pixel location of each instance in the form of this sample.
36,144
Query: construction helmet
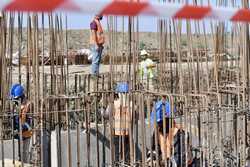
143,52
16,91
122,87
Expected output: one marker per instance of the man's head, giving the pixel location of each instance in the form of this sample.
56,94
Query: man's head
143,54
164,98
99,16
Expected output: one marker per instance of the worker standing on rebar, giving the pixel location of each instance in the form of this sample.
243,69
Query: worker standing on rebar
146,70
97,40
22,118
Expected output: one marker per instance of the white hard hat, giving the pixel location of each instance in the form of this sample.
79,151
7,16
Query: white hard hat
143,52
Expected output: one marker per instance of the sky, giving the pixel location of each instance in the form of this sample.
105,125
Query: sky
147,23
79,21
82,21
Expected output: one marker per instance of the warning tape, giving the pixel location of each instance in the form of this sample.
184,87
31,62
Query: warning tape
126,8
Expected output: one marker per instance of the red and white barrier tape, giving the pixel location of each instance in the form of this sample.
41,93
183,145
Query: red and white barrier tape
126,8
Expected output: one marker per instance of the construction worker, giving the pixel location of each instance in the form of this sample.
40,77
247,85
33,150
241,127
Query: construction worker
121,122
18,97
97,40
171,145
146,70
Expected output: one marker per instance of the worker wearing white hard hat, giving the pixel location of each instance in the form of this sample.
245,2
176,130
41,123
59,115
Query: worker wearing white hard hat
146,68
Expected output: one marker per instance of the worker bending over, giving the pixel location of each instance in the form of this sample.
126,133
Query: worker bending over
22,118
96,43
172,147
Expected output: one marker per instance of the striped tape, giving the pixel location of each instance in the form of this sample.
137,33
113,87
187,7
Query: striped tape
127,8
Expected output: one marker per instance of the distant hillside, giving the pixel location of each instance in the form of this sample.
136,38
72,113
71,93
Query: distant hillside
79,39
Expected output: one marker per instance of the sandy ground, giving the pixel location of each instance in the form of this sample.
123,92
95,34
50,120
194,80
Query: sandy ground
85,69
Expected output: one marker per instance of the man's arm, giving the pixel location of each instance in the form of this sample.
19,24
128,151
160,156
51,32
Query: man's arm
151,66
105,112
24,110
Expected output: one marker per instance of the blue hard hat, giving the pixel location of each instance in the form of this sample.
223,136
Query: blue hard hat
122,87
158,111
16,91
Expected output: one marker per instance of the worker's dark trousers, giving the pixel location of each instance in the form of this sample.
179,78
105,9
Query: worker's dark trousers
119,152
26,150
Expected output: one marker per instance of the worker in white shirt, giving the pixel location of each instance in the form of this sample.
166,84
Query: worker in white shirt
146,70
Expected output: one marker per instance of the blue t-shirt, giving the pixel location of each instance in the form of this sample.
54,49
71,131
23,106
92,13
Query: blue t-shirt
158,110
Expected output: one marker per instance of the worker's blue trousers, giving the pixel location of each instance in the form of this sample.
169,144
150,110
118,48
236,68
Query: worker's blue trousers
96,52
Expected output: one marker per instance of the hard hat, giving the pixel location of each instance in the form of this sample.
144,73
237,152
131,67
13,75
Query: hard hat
122,87
143,52
16,91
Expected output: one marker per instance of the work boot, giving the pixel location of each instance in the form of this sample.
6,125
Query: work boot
95,76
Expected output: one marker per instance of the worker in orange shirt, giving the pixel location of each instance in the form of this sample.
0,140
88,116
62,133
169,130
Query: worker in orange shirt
22,117
97,40
121,118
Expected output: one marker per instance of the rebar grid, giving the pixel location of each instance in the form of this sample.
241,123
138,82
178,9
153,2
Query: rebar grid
203,72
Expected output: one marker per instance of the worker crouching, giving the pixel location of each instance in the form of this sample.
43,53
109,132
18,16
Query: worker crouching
21,119
169,140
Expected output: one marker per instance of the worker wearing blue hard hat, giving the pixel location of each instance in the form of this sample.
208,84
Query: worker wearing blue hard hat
174,137
121,119
17,95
